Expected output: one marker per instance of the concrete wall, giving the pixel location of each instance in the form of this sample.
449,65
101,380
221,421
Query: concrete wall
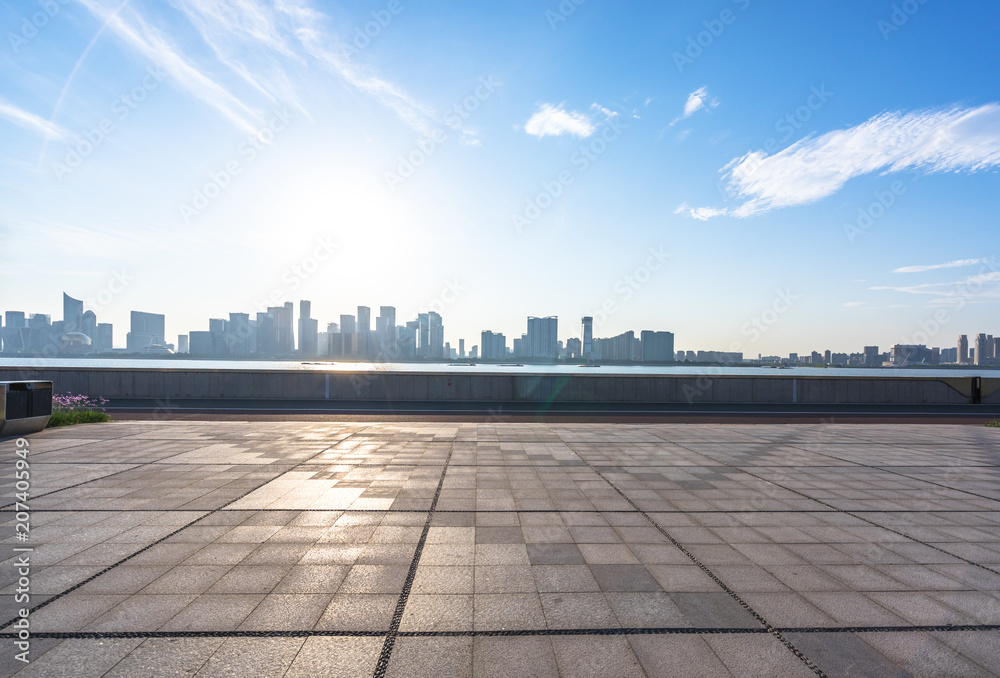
401,386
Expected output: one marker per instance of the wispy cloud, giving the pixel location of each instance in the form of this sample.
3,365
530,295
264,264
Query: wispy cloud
853,304
943,140
552,120
139,34
30,121
699,213
696,101
958,263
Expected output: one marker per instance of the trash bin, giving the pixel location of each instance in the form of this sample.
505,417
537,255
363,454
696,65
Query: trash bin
25,406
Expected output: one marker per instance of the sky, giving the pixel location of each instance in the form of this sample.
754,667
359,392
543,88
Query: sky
761,177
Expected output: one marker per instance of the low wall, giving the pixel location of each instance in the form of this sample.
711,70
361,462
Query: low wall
179,384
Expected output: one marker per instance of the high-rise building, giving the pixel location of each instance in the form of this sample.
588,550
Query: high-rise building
588,337
982,345
573,348
364,319
621,347
657,346
267,334
494,345
542,338
182,344
72,314
963,348
104,342
430,336
240,337
388,336
461,348
308,330
872,357
88,324
284,336
146,330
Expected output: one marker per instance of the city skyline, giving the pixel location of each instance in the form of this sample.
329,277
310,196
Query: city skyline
687,165
277,332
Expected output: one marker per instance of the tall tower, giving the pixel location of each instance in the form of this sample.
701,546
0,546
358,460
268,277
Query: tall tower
588,337
72,314
963,349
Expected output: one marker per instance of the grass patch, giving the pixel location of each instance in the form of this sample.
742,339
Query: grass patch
68,418
72,409
995,423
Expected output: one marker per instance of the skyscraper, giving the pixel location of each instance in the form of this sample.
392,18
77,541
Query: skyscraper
284,338
542,337
982,352
88,325
308,330
364,319
588,336
494,345
963,348
145,330
388,314
657,346
72,314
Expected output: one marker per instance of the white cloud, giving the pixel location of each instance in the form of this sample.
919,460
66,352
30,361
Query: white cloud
853,304
933,267
150,42
944,140
697,100
699,213
550,120
32,122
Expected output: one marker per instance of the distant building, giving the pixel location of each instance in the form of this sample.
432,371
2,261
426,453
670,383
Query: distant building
494,345
461,348
308,330
587,332
146,331
983,346
657,346
72,314
182,344
963,348
872,357
621,347
574,349
542,338
104,342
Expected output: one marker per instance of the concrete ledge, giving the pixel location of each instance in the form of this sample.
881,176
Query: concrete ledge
531,388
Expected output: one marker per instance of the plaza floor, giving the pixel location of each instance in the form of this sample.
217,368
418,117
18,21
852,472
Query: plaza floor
505,549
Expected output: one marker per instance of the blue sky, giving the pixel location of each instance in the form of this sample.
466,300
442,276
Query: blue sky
754,177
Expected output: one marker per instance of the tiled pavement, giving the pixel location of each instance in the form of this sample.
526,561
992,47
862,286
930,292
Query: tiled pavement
291,549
